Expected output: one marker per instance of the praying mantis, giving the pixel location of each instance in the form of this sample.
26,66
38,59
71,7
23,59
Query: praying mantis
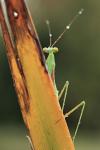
50,63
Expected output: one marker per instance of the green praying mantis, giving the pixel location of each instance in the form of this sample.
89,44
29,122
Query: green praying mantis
50,63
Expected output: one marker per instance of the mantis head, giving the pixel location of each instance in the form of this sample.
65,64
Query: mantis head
50,49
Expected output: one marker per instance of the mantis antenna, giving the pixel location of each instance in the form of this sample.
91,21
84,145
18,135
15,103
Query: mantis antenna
50,34
68,26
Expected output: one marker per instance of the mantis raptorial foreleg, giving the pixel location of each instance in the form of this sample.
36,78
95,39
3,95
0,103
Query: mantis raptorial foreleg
82,104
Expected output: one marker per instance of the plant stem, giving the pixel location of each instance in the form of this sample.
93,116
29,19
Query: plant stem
39,105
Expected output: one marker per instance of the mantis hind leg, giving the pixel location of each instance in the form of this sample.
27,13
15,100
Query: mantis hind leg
64,89
82,104
30,142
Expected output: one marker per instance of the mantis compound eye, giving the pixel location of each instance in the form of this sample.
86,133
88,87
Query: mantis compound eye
46,50
55,49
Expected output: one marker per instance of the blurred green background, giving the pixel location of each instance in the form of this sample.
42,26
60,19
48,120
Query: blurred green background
78,61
